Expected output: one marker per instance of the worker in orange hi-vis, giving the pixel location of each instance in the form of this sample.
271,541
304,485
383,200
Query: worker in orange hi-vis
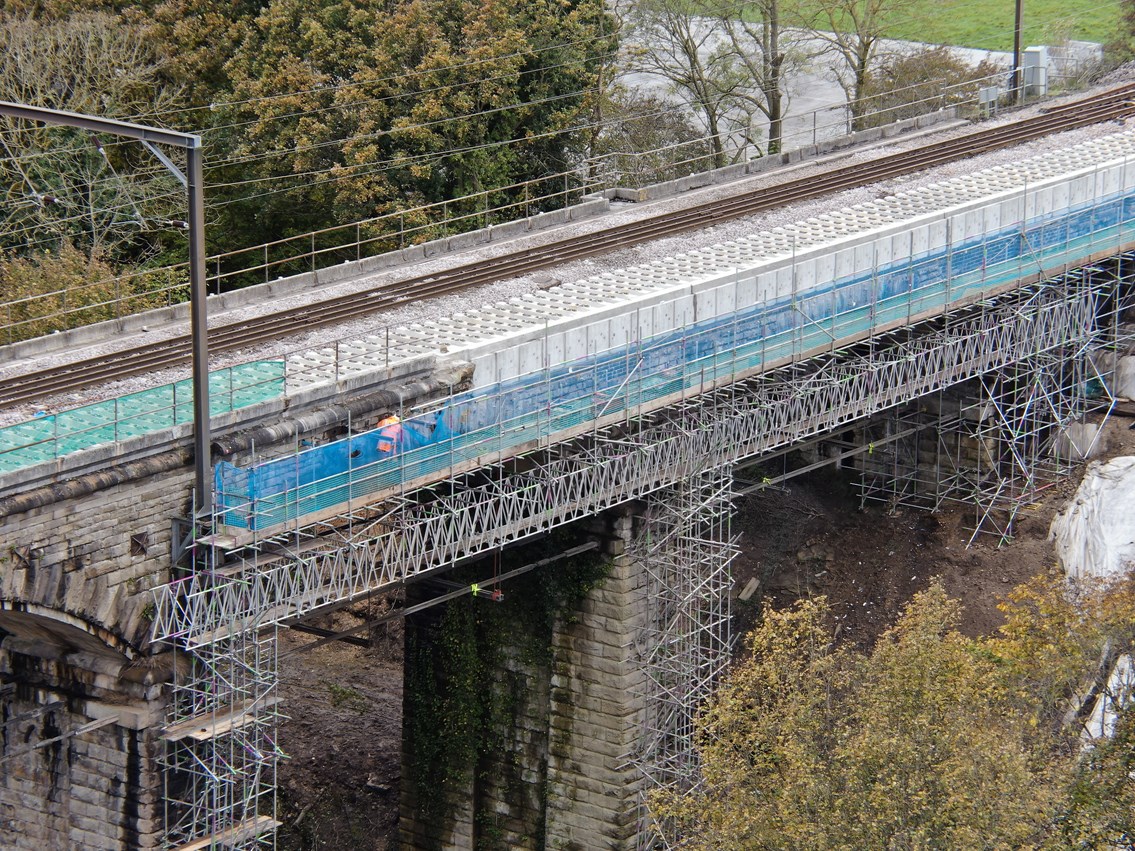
389,434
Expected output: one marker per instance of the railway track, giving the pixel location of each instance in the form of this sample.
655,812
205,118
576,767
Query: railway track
1109,105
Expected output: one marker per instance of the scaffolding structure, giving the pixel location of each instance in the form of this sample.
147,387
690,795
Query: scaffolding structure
685,546
221,754
675,454
993,443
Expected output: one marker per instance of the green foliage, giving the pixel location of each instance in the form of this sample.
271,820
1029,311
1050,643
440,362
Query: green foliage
932,740
1100,810
345,110
53,291
911,84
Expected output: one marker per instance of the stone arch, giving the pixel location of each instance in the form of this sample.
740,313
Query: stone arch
80,719
31,622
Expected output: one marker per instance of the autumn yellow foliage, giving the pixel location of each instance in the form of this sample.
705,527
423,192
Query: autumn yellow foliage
933,740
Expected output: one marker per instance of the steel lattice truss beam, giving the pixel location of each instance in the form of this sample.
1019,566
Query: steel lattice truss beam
721,427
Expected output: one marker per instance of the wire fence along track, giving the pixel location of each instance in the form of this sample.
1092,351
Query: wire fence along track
82,374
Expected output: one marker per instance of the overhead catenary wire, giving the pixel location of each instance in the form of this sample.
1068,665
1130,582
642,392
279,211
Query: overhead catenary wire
400,77
345,171
356,84
86,214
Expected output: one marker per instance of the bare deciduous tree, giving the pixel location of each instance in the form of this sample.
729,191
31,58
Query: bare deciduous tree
728,62
852,31
768,53
64,185
685,50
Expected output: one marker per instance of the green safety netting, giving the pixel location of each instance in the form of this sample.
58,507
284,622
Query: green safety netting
51,435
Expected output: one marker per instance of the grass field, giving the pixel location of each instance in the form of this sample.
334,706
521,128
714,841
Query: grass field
988,24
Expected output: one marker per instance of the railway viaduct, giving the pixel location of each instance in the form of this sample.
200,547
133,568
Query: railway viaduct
138,651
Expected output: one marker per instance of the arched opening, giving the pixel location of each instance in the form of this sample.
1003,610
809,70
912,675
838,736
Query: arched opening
80,722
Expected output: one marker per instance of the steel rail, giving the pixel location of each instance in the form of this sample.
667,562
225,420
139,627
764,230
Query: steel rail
1109,105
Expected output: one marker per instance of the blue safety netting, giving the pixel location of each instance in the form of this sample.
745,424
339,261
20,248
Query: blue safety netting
570,395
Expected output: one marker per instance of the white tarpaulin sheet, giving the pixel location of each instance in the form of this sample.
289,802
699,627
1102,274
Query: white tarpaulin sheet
1095,535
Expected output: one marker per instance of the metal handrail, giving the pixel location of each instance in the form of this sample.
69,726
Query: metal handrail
319,249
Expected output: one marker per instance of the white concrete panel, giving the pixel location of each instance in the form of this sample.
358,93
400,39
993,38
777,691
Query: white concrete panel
1125,175
727,298
575,344
901,245
645,319
684,312
1107,181
746,293
705,304
531,356
844,265
484,371
1012,211
919,240
973,223
663,317
992,218
936,235
882,251
1030,208
766,287
600,333
510,364
864,257
805,273
556,348
1082,192
620,330
783,284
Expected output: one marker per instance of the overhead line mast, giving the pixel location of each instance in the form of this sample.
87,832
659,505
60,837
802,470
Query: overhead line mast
198,311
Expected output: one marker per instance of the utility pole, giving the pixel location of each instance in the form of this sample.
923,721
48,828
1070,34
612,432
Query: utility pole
1017,86
198,312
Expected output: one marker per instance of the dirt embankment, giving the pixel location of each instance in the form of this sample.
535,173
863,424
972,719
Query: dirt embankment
812,537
